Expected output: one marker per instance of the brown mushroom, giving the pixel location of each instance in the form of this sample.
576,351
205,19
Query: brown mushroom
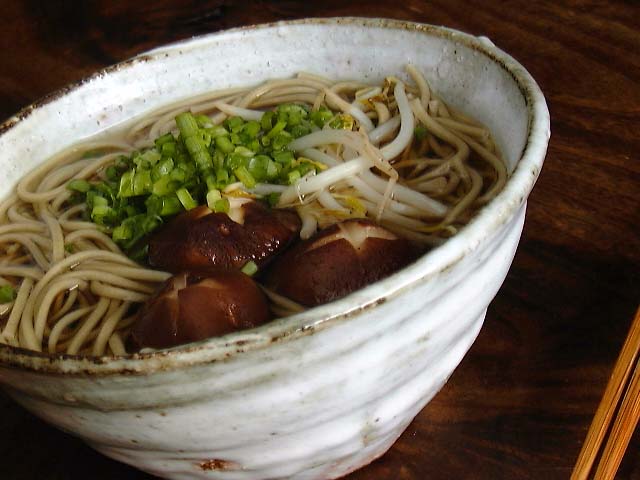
339,260
201,238
195,305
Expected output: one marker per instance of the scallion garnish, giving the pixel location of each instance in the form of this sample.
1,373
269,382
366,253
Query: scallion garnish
250,268
420,132
180,172
7,294
186,199
79,185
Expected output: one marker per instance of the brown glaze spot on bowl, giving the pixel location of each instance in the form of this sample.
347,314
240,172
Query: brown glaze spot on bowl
219,464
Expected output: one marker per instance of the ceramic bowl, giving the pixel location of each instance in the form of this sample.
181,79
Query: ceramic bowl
319,394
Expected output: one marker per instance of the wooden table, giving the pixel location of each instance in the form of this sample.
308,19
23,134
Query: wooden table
520,404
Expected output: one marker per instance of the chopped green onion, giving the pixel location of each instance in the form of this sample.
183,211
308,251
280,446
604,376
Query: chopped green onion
103,214
169,149
294,120
112,173
212,197
222,176
163,205
99,200
106,189
164,166
7,293
420,132
236,160
204,121
217,131
221,206
244,151
187,124
198,151
278,127
151,156
281,140
150,223
180,172
142,183
293,177
121,232
170,205
320,117
167,138
235,138
258,167
273,170
210,180
250,268
245,177
79,185
342,121
234,124
254,145
300,130
126,184
306,167
251,128
273,199
285,157
218,159
186,199
266,122
224,144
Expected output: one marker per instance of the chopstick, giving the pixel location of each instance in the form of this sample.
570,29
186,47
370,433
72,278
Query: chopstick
627,417
622,431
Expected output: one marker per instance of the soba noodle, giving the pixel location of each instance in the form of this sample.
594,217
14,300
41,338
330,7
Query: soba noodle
76,290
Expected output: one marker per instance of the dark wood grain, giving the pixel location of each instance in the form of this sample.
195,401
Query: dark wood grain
520,404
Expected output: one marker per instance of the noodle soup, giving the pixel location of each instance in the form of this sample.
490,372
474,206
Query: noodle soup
76,232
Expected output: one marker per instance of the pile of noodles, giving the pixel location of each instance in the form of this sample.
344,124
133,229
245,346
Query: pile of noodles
77,293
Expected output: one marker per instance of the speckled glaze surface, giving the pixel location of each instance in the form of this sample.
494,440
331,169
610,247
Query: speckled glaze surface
319,394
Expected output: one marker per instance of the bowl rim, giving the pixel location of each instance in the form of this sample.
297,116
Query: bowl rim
489,219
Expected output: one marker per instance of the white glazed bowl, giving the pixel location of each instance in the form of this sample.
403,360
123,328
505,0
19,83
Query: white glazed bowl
319,394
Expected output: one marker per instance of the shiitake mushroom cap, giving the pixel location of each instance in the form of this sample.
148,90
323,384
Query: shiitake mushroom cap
201,238
339,260
195,305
